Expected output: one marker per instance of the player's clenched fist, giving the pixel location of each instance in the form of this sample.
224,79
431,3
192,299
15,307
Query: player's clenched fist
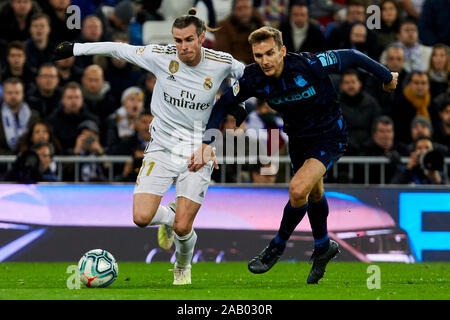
63,50
393,84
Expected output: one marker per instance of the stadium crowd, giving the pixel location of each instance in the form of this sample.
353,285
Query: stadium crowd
101,106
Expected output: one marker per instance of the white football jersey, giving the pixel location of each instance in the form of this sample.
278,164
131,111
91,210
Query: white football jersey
183,96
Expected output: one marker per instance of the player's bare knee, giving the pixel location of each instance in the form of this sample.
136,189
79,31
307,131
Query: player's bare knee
297,194
181,229
141,221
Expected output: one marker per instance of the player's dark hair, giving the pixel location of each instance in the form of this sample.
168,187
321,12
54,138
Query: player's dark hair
265,33
190,18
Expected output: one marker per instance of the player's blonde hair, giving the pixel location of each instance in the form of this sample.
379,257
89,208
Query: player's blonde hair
190,18
265,33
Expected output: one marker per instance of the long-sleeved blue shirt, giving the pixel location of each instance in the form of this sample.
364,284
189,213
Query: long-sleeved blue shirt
303,94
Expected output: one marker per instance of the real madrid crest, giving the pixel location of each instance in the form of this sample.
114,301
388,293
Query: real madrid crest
207,84
173,66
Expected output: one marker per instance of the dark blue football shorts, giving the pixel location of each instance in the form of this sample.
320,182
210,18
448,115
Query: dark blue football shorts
327,150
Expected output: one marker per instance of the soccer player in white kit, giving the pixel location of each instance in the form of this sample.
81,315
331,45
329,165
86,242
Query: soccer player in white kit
188,78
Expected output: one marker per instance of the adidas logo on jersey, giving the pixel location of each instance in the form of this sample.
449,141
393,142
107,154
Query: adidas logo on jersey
171,77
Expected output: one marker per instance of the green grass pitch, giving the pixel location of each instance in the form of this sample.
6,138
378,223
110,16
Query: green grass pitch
231,281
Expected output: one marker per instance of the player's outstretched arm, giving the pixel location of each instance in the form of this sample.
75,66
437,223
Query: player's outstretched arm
350,58
123,51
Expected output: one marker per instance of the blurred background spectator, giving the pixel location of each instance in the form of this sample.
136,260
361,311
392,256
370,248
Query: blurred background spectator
70,112
44,95
417,55
16,115
414,101
235,29
359,108
420,170
39,48
15,17
299,32
16,64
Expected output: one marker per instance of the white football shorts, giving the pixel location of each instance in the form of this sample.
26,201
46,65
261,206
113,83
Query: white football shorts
160,169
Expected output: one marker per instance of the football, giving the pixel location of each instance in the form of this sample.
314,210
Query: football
98,268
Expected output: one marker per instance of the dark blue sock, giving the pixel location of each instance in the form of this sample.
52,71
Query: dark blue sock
291,218
317,214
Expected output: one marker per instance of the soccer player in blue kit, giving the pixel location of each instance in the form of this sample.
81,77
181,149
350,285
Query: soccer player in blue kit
299,88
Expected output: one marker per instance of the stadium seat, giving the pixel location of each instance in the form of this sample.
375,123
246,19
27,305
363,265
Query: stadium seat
157,32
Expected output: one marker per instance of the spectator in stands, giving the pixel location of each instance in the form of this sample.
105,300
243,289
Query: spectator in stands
263,173
442,134
148,10
140,138
299,32
213,11
119,19
122,123
97,93
15,19
262,121
381,144
324,10
25,169
68,71
272,11
234,32
68,116
439,69
91,31
38,132
338,35
44,150
395,60
44,96
147,85
119,73
415,172
422,127
59,20
131,168
417,55
88,144
412,8
390,23
360,41
414,101
39,48
359,109
16,66
433,22
133,146
15,115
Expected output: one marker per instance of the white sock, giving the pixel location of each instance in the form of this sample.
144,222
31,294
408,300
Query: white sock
184,249
164,215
